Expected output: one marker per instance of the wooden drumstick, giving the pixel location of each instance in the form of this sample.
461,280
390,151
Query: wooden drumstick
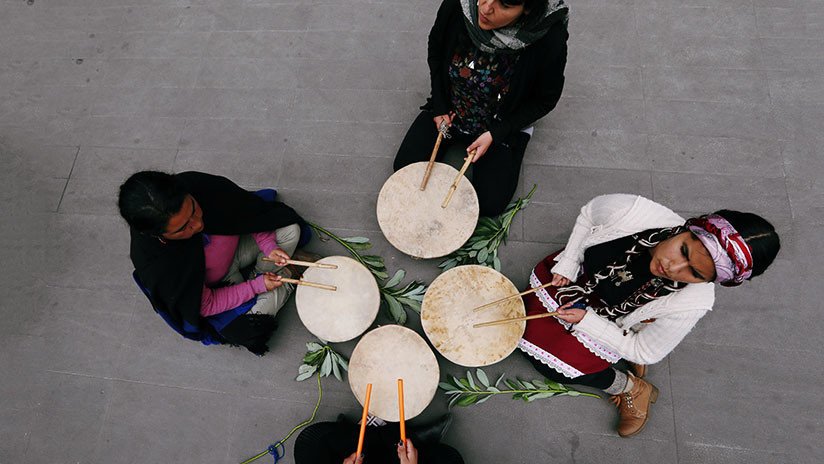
309,284
515,319
506,298
401,413
363,419
304,263
428,171
454,185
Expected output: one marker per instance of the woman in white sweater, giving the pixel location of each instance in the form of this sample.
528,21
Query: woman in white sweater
632,281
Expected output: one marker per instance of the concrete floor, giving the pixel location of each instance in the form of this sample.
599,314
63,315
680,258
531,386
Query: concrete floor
698,104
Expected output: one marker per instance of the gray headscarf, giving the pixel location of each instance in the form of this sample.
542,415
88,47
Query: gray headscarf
517,36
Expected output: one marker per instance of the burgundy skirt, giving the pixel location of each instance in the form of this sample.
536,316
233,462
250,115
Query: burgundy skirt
549,339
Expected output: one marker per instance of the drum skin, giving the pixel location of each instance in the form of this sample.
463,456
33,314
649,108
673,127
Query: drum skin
447,315
413,220
385,355
344,314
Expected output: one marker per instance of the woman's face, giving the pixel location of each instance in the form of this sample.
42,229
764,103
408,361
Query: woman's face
492,14
186,222
682,258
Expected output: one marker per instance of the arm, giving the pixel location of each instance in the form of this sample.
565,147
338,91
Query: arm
658,338
217,300
436,55
600,212
546,91
266,241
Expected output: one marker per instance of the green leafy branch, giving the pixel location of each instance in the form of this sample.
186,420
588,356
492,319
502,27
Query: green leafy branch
397,297
321,359
394,297
482,247
465,392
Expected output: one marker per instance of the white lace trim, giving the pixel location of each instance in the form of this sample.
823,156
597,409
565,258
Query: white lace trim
548,359
597,348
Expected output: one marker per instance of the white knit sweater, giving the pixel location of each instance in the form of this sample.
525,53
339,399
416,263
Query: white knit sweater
609,217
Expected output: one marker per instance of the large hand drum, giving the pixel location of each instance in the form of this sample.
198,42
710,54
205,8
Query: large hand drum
448,316
385,355
341,315
413,220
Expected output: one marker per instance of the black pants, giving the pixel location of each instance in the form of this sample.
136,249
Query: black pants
600,380
332,442
495,175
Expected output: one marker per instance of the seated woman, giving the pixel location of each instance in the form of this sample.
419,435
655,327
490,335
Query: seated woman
632,281
336,443
496,67
198,244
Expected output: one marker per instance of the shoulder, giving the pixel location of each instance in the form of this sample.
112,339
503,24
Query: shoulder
693,297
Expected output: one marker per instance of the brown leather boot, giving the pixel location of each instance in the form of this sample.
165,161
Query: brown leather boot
640,370
633,406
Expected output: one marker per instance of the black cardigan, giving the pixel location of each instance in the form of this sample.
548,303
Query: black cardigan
174,272
536,84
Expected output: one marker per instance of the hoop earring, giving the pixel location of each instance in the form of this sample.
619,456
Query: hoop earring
160,239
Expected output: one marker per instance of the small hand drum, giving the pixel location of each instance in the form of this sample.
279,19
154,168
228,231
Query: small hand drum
414,222
385,355
341,315
448,316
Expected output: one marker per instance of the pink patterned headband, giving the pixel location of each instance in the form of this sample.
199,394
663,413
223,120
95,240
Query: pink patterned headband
730,253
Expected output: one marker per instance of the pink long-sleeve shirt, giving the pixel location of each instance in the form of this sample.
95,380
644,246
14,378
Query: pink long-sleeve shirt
219,251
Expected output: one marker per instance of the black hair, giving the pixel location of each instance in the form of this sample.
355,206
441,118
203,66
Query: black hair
148,199
531,6
759,234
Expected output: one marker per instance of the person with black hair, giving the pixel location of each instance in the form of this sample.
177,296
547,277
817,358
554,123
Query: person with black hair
335,443
632,281
210,255
496,67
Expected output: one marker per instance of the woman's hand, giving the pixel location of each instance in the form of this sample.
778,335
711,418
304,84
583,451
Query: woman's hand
480,145
353,459
570,314
407,454
272,281
444,118
278,256
559,281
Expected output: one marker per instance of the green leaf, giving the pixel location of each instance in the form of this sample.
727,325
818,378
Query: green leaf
306,368
482,255
336,369
537,396
485,398
493,389
445,386
527,384
496,264
355,239
312,346
453,400
326,367
482,377
467,400
470,380
344,364
395,309
304,376
499,379
396,279
480,244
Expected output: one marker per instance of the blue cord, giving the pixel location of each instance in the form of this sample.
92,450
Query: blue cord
275,450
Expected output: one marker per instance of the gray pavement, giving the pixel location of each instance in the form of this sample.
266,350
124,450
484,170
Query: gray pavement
698,104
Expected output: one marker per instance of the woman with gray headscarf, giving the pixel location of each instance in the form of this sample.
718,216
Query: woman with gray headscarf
496,67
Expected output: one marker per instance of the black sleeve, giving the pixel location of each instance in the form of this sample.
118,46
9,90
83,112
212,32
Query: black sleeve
546,91
437,54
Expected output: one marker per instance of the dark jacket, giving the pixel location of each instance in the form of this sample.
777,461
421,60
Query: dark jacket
174,272
536,84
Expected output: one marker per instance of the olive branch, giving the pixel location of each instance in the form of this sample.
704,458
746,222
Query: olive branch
323,360
466,392
482,246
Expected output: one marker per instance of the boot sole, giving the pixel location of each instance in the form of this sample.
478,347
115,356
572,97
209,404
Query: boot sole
653,397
